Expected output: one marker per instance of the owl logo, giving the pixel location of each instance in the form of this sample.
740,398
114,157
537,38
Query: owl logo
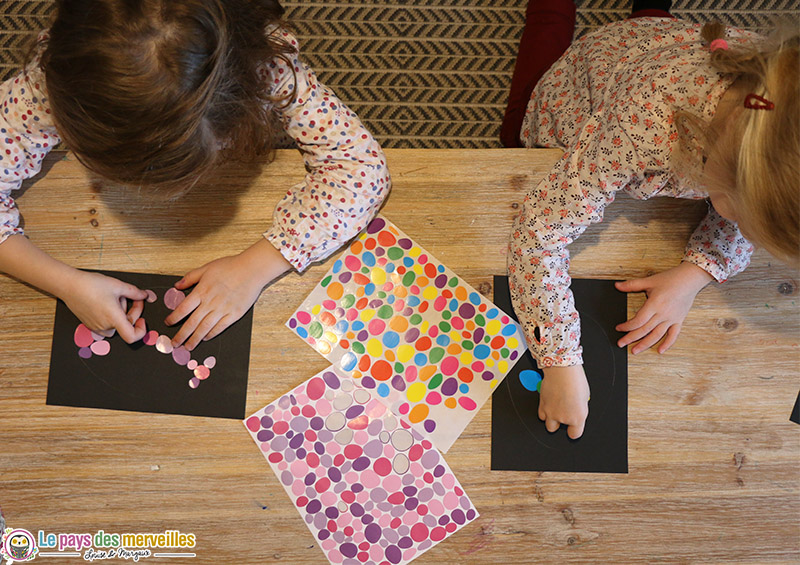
18,545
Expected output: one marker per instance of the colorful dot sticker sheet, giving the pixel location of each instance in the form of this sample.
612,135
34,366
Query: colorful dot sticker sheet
410,331
368,486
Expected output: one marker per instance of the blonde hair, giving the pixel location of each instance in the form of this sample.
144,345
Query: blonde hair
763,150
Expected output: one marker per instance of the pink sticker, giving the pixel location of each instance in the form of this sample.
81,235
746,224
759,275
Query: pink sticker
83,337
100,347
173,297
358,494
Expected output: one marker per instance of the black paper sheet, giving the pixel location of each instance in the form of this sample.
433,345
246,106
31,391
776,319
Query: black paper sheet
139,378
520,441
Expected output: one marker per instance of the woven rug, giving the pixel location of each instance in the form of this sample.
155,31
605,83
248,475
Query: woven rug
429,73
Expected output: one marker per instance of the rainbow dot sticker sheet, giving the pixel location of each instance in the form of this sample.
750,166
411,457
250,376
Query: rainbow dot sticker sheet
410,331
368,486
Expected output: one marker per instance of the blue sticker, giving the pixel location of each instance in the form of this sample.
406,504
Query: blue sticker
348,361
481,351
531,380
391,339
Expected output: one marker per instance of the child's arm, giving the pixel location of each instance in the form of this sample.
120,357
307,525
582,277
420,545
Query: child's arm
346,183
717,250
572,196
98,301
718,247
27,134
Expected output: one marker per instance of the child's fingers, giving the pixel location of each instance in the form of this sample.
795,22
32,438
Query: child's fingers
576,430
672,335
638,333
186,307
221,326
632,285
140,329
542,413
641,317
128,332
205,326
188,327
190,279
651,338
129,291
552,425
136,311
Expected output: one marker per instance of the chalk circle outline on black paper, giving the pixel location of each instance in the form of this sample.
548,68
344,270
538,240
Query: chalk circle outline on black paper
606,392
140,345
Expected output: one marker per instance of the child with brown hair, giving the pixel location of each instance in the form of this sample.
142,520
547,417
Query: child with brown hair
154,93
652,106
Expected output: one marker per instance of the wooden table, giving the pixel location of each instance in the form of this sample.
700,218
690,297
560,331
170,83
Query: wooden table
714,461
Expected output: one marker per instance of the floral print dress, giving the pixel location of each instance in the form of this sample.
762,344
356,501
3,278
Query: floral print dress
610,103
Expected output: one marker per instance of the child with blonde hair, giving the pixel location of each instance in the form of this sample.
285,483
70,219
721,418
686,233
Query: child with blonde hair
652,106
155,94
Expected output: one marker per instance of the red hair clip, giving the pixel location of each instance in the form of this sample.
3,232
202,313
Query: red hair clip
718,44
756,102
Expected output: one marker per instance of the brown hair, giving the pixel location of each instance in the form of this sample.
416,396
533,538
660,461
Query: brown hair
762,149
150,92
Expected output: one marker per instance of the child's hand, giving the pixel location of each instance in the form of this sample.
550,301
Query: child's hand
100,303
670,295
564,399
225,289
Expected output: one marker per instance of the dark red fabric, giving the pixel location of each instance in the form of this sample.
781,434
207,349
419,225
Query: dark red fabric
549,26
652,13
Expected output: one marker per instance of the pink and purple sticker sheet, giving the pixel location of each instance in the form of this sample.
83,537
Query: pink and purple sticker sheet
368,486
410,331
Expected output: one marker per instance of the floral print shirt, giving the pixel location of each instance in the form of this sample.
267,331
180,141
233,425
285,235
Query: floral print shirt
347,178
610,103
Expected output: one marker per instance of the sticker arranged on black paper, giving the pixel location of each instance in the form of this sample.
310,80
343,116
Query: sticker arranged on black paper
93,371
520,441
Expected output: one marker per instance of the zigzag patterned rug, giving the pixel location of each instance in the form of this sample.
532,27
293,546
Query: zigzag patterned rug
432,73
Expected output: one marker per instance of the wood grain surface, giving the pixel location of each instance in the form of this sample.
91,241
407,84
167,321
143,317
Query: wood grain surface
714,461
